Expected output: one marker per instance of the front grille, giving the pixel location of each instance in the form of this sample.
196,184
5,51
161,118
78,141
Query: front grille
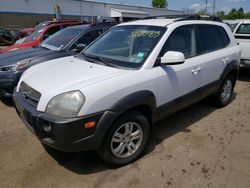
29,94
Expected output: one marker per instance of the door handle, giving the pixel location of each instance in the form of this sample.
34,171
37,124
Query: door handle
196,70
225,60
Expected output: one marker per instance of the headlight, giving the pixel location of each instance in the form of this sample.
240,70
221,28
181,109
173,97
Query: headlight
66,104
15,67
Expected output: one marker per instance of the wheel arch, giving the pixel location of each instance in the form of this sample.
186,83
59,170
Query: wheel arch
232,68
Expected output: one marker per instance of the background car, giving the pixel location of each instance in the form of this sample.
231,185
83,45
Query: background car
66,42
42,32
242,35
7,37
27,31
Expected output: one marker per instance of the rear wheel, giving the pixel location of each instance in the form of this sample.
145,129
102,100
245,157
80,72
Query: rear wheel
225,93
126,139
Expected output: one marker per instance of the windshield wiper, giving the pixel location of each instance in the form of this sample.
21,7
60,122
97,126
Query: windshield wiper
84,56
100,59
105,61
44,47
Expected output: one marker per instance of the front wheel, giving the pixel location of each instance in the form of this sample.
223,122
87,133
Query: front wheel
225,93
126,139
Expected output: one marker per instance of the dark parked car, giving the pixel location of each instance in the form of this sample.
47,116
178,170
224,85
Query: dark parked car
66,42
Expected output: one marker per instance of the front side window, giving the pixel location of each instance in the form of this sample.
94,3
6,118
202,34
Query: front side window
243,29
50,32
87,38
181,40
126,46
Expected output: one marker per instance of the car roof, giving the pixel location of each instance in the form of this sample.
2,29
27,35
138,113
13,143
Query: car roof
85,26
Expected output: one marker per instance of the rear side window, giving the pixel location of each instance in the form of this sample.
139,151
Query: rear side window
87,38
210,38
243,29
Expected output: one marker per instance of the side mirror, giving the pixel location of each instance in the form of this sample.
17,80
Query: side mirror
173,58
80,47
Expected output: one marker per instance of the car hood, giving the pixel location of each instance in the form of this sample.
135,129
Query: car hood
22,54
66,74
18,46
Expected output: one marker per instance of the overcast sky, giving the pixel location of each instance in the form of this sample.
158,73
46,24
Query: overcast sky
225,5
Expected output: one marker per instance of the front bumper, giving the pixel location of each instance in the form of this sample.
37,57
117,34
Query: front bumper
65,134
245,63
8,82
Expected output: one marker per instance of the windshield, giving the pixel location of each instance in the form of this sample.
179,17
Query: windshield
233,26
33,36
42,25
62,38
243,29
126,46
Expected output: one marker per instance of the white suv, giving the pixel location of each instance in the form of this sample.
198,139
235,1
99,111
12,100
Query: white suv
242,35
107,97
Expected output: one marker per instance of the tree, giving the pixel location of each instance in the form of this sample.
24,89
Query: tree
247,15
221,14
159,3
240,13
202,12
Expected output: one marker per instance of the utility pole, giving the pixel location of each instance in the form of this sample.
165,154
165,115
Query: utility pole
214,6
206,1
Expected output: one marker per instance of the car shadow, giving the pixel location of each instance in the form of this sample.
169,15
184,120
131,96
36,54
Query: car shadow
7,102
90,162
244,75
180,122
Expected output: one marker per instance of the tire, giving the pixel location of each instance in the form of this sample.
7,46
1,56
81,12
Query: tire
126,139
224,95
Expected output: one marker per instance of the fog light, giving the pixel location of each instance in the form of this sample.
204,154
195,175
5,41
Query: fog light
47,128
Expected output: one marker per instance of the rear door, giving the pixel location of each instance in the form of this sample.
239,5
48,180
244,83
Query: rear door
213,52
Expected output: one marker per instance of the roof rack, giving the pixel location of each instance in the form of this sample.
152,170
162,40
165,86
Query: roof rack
166,16
183,17
201,17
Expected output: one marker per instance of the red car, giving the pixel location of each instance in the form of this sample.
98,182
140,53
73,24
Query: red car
41,33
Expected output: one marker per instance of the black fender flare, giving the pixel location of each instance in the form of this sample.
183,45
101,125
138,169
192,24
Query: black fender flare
231,66
139,98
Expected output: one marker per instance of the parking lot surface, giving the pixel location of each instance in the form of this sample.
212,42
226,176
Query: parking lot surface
201,146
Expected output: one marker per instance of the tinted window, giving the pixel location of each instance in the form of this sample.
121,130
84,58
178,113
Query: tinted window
50,32
87,38
62,38
182,40
210,38
243,29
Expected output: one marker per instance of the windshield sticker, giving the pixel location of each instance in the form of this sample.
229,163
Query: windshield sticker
150,34
140,54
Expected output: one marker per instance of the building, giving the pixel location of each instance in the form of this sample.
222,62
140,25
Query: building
27,13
